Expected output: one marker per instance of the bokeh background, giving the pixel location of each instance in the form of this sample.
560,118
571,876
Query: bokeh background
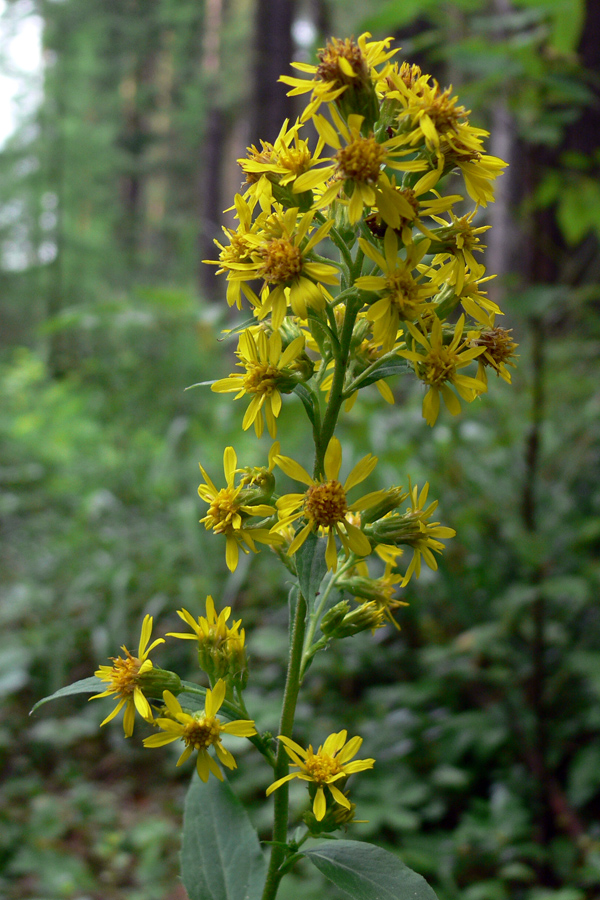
483,712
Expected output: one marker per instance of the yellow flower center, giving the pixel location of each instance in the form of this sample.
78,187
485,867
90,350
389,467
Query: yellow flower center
202,732
321,767
282,261
261,378
326,503
237,251
409,74
296,159
439,366
124,674
329,67
403,293
361,160
442,111
222,509
410,196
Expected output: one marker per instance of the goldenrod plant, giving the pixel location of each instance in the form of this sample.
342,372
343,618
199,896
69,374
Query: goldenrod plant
358,260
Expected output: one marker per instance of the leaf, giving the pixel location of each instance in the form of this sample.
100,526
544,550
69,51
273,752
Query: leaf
385,370
85,686
366,872
221,857
307,401
311,567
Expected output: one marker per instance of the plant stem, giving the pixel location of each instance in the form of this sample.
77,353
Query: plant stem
314,619
288,711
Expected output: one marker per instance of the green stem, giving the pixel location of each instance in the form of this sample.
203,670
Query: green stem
288,711
314,619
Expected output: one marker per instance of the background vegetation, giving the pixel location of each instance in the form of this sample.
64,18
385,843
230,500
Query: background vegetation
483,712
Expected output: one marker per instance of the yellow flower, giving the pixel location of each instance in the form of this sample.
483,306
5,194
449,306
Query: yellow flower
267,374
329,764
345,66
124,679
279,163
413,529
281,248
498,351
228,512
429,117
426,539
378,590
324,505
236,255
459,241
401,296
201,731
358,170
437,365
221,650
411,207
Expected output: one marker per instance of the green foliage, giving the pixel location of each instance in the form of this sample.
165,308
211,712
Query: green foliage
364,871
221,858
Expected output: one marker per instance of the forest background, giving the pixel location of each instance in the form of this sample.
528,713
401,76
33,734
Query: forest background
483,711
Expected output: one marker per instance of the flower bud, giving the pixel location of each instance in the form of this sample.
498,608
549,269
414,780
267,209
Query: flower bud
393,498
155,681
366,616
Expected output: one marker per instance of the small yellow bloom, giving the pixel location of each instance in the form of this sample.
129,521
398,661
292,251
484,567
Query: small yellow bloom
228,512
345,66
277,164
402,297
124,679
268,374
498,353
437,365
201,731
324,505
329,764
358,169
221,647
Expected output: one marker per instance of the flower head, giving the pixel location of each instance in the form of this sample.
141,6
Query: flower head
124,677
221,647
268,374
325,506
357,172
346,74
330,764
414,529
229,510
401,295
498,353
437,364
200,731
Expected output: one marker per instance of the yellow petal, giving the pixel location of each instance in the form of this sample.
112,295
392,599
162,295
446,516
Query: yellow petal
319,805
333,459
229,465
293,469
360,471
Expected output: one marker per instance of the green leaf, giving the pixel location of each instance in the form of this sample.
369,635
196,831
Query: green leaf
311,567
385,370
307,401
221,857
90,685
367,872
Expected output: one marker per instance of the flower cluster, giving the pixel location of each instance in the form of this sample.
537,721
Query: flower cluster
356,263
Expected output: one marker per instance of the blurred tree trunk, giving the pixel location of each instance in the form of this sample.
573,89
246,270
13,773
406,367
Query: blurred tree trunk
273,55
212,154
